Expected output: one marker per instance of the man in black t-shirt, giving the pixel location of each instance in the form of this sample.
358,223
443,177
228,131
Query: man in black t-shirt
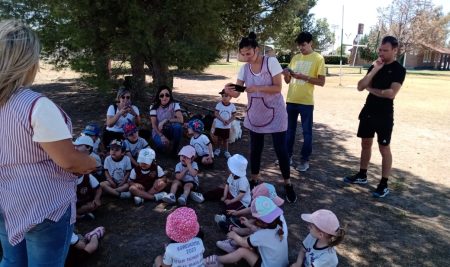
383,81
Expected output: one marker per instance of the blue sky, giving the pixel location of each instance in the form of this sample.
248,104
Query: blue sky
356,11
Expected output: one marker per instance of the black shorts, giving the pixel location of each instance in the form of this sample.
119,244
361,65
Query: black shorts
382,125
194,185
223,134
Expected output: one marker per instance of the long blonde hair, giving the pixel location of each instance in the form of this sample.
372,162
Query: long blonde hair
19,57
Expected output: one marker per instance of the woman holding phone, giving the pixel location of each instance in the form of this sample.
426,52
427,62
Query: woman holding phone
266,108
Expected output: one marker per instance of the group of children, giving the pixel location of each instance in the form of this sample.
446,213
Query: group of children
252,218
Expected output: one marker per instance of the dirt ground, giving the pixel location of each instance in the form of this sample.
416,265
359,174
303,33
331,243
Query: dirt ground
410,227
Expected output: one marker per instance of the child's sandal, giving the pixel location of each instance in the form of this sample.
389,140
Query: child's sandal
212,261
99,232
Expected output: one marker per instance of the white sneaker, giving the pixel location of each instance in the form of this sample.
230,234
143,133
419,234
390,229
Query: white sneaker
169,198
226,245
303,166
125,194
220,218
291,163
227,154
197,197
182,200
217,152
159,196
138,201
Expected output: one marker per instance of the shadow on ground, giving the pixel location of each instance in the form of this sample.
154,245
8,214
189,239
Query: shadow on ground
408,228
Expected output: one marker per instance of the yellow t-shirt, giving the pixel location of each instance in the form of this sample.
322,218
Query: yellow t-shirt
313,65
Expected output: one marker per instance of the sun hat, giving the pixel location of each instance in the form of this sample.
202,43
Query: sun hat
264,209
84,140
146,155
237,165
325,220
188,151
91,129
196,125
182,225
129,129
267,190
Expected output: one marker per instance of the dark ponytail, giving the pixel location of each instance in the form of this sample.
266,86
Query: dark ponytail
337,239
274,224
249,41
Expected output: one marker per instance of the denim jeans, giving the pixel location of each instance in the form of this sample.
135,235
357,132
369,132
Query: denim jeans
174,133
306,115
46,244
279,144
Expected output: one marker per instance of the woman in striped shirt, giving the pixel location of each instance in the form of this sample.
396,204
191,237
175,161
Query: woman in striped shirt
37,159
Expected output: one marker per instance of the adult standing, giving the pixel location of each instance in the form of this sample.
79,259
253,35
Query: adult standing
167,121
37,159
118,115
383,82
306,70
266,112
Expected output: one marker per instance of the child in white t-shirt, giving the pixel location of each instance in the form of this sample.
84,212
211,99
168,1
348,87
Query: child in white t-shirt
117,170
185,177
318,247
148,179
201,143
85,144
225,114
93,131
236,194
133,143
186,249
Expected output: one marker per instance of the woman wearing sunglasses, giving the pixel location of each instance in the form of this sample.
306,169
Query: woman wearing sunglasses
118,115
167,121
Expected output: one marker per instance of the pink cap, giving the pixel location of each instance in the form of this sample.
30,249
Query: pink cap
188,151
325,220
182,225
264,209
267,190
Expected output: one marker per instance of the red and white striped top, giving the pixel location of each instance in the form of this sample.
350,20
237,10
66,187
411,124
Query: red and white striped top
32,187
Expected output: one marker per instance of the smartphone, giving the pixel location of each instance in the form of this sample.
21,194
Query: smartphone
239,88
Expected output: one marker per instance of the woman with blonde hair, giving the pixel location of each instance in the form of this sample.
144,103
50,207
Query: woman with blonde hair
37,159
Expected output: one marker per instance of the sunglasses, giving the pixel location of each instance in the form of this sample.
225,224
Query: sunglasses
125,97
164,95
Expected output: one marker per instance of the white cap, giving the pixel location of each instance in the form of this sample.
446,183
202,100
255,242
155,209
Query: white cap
84,140
238,165
146,155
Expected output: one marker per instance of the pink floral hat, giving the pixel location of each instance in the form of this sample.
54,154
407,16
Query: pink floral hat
182,225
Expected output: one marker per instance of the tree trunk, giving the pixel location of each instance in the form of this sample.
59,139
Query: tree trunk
160,73
137,81
228,55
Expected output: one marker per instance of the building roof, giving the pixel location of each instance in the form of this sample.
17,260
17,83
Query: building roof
441,50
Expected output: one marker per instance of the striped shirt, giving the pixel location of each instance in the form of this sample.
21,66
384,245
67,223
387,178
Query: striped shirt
32,187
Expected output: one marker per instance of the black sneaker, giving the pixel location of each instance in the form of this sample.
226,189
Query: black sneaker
356,179
253,183
291,197
381,191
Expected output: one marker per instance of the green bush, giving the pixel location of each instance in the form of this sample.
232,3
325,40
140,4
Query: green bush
334,60
284,58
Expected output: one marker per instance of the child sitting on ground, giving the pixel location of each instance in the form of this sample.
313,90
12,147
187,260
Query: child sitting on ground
201,143
225,114
324,234
185,248
148,179
133,142
117,171
266,247
85,144
93,131
186,178
81,248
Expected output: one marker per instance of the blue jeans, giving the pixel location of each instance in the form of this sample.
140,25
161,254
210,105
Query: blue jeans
306,115
46,244
174,133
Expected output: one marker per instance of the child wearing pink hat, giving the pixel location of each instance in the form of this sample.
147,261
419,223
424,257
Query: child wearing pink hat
186,249
270,240
318,247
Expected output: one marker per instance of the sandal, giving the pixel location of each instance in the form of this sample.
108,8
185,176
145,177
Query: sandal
212,261
99,232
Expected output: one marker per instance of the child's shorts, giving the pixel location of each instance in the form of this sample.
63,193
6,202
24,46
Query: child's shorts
222,133
195,186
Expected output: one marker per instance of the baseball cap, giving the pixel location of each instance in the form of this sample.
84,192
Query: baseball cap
91,129
129,129
84,140
267,190
188,151
146,155
196,125
238,165
264,209
182,225
117,143
323,219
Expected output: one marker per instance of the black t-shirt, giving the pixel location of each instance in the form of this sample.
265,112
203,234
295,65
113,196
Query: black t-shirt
387,75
